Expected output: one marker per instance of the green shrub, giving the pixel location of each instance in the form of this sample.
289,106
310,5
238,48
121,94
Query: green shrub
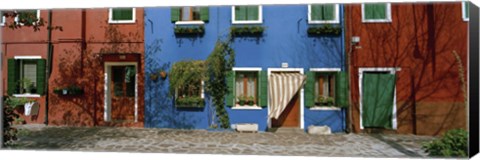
452,144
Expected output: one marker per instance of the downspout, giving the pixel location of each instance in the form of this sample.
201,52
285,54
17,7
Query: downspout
49,61
348,70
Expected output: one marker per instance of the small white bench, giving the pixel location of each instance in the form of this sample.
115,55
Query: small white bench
246,127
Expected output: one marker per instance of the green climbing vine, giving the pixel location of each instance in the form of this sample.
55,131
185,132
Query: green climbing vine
218,63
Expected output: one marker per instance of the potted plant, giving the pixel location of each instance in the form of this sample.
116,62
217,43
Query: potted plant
163,74
320,101
251,100
27,85
330,101
241,100
153,77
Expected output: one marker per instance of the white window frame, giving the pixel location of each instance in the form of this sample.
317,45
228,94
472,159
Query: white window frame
246,69
336,20
196,22
388,12
464,15
391,70
27,95
319,70
3,20
110,17
16,17
258,21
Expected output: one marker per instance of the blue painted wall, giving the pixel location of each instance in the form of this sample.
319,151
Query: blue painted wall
284,40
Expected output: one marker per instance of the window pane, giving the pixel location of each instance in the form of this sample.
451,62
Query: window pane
467,9
29,75
130,80
122,14
190,14
251,86
323,12
239,85
375,11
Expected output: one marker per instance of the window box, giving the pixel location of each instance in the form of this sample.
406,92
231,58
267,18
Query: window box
246,31
189,102
71,90
326,30
189,30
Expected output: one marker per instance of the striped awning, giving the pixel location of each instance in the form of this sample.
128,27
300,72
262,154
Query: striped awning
282,88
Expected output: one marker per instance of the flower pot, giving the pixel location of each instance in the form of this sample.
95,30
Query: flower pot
64,91
241,102
250,103
163,74
153,77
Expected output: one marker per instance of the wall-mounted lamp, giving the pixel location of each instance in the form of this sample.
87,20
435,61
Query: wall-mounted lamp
355,39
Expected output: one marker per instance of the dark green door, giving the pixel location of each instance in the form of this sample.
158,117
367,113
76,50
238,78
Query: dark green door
377,100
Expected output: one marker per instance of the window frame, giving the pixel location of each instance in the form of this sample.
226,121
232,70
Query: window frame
27,95
464,13
3,20
335,21
325,70
21,24
111,21
189,22
258,21
388,15
247,69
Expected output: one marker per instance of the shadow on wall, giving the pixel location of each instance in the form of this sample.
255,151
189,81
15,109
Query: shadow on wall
422,45
159,108
86,71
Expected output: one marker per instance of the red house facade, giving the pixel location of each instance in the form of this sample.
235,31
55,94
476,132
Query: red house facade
402,56
96,67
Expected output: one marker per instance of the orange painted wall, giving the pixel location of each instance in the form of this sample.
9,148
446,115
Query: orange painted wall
74,64
419,40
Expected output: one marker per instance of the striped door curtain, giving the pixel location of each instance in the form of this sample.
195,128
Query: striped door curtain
282,88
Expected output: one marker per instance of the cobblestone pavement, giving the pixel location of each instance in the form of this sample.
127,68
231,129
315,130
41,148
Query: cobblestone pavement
209,142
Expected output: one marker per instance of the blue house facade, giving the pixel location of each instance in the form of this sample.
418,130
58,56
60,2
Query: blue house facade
305,39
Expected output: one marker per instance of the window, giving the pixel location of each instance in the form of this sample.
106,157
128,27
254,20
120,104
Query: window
123,78
324,89
246,14
121,15
326,13
2,20
26,76
465,10
189,15
246,88
376,12
27,16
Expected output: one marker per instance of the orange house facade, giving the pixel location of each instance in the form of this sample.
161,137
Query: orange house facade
403,55
96,67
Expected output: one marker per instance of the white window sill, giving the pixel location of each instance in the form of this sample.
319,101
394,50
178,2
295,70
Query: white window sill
189,23
323,108
376,20
27,95
121,22
247,22
324,22
466,19
238,107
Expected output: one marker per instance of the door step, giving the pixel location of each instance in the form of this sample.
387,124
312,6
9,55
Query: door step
379,130
287,130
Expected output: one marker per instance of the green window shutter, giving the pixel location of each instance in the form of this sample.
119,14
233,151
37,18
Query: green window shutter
204,14
368,11
41,64
175,14
122,14
252,13
240,13
380,11
310,89
263,88
316,11
12,76
230,98
341,89
328,12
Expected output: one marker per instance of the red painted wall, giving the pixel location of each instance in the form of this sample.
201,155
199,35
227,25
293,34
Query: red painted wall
419,40
77,60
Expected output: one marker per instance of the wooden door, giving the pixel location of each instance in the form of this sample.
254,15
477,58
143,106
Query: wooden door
122,91
290,117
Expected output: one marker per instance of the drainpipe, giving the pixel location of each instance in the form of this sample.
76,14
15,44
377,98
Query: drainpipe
347,69
1,99
49,61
